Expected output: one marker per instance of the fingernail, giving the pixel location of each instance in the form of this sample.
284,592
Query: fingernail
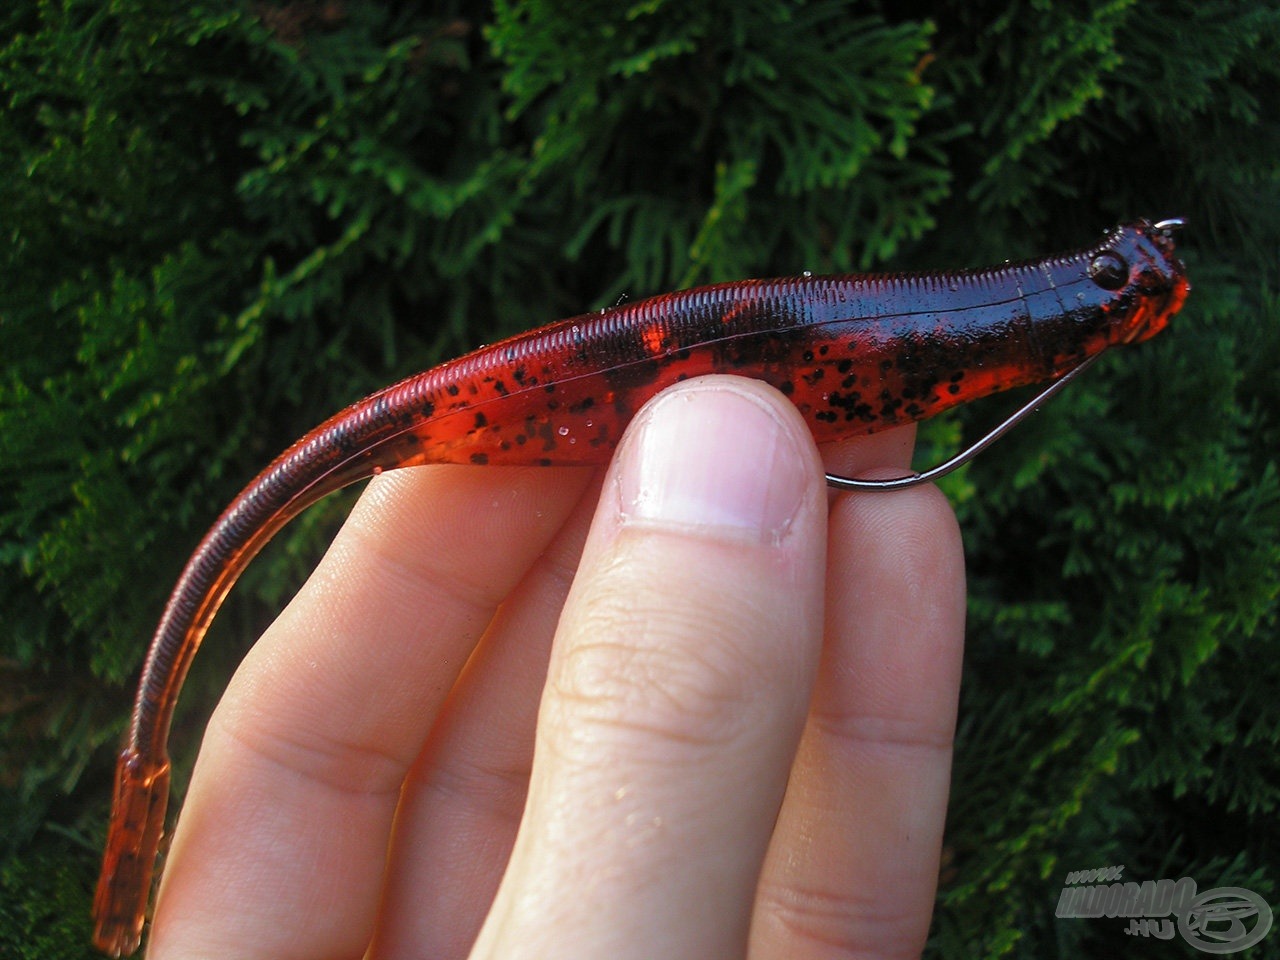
713,458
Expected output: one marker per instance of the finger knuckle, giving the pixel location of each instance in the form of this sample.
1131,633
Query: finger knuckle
843,923
904,735
634,671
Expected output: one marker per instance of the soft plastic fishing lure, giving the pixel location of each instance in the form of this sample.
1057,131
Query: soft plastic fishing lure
855,354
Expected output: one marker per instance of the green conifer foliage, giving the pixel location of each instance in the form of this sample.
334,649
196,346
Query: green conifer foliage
224,220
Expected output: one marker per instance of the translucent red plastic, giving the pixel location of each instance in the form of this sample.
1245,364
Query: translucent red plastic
855,354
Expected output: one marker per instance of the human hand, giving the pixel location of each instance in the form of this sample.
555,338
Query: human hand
743,723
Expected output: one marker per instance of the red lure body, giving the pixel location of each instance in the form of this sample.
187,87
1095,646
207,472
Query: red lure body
855,354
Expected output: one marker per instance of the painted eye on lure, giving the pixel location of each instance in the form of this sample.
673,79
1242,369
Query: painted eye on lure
1109,271
855,354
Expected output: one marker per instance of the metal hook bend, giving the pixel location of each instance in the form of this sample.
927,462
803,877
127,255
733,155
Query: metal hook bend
964,456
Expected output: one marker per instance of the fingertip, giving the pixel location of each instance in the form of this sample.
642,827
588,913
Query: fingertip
712,523
911,533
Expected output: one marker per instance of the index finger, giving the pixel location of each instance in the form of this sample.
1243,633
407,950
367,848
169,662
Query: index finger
282,842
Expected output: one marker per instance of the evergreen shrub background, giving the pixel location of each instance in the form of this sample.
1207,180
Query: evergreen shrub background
222,221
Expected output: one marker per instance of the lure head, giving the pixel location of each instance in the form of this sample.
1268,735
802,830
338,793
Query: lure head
1136,262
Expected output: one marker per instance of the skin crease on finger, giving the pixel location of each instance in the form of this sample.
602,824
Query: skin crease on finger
721,702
